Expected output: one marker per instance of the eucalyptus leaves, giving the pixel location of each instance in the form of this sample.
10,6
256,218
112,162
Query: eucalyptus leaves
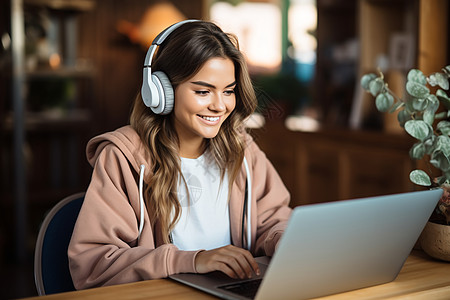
417,114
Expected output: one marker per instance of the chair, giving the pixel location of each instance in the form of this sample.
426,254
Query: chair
51,264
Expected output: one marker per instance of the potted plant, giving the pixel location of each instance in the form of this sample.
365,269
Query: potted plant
424,113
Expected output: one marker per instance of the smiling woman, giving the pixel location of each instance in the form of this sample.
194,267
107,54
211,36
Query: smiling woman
183,188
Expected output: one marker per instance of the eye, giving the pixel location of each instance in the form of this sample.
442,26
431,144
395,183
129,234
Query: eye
201,92
229,92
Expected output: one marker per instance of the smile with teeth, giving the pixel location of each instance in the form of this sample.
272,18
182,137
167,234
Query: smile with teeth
211,119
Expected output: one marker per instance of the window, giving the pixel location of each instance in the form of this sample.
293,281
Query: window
258,26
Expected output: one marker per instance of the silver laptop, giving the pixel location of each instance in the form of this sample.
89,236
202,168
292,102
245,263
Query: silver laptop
332,247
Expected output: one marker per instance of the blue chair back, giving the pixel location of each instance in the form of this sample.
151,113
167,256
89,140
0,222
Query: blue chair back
51,264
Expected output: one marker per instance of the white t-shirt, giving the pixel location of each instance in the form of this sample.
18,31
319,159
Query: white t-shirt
204,222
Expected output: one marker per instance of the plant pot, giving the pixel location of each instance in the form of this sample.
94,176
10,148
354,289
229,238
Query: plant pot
435,240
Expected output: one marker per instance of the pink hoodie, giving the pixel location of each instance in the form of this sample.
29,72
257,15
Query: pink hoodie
107,247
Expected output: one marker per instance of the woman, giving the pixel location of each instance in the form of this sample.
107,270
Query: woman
190,166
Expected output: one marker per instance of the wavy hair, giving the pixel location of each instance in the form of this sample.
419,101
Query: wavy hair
180,57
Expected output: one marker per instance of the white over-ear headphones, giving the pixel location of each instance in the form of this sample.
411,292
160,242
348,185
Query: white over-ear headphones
157,91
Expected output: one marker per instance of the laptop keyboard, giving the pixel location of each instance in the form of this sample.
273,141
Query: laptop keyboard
245,288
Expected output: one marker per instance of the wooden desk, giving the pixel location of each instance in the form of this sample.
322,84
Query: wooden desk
421,278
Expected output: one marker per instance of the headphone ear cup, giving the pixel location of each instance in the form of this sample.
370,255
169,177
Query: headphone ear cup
166,93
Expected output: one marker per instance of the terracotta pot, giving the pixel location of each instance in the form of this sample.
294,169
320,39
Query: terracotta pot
435,240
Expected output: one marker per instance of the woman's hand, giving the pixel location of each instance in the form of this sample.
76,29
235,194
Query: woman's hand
231,260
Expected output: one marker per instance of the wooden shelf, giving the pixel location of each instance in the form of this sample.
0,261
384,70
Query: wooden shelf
52,122
62,72
424,22
64,5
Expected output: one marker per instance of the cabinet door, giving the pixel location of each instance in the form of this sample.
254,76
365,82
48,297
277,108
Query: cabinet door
317,166
278,145
330,168
372,172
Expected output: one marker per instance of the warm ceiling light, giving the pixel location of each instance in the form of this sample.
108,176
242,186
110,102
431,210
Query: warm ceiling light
156,18
54,61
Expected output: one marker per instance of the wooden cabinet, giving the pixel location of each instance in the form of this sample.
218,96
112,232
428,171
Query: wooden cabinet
333,164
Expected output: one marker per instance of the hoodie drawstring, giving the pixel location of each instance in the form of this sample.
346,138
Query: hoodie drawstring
141,200
249,205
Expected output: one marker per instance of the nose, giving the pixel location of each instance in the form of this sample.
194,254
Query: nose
217,103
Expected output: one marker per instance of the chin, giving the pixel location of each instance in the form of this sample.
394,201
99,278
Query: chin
210,134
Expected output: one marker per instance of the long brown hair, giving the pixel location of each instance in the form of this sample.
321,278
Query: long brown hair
180,57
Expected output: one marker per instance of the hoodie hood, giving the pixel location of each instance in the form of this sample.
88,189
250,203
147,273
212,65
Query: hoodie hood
129,142
126,139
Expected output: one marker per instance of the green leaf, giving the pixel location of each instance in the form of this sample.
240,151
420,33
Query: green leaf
441,115
438,79
440,160
376,86
366,79
418,129
432,107
384,101
417,90
420,177
443,81
434,101
432,80
417,76
443,97
419,104
403,116
443,127
428,116
417,151
446,70
429,144
443,144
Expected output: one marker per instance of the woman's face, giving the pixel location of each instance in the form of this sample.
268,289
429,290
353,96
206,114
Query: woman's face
203,102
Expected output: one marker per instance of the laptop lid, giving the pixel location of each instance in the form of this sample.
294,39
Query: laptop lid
345,245
334,247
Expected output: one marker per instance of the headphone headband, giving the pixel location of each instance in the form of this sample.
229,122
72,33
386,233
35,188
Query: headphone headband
163,35
160,38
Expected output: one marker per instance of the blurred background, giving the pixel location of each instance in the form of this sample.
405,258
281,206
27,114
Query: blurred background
70,69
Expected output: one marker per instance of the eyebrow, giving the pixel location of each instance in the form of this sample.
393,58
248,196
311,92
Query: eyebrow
205,84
